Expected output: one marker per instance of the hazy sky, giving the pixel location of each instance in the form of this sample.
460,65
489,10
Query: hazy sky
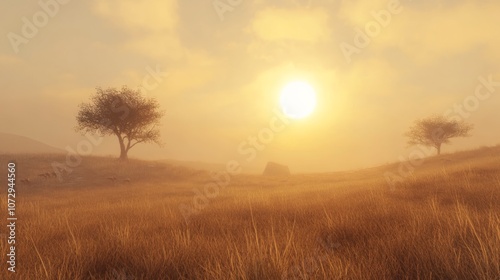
226,68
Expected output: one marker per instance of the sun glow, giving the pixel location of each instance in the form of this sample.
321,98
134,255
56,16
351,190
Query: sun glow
298,100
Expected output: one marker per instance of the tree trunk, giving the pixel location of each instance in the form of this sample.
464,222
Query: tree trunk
438,147
123,154
123,149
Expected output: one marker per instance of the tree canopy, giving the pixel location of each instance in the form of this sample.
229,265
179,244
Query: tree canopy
437,130
125,113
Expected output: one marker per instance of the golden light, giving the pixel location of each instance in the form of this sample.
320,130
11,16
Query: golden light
298,100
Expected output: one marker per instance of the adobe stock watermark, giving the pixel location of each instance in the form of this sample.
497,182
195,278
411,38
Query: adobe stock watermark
364,37
249,149
74,156
154,78
222,7
459,112
31,26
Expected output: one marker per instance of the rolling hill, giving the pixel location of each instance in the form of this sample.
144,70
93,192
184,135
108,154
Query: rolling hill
108,219
16,144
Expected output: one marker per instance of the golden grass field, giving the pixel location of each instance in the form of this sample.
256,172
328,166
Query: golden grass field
443,222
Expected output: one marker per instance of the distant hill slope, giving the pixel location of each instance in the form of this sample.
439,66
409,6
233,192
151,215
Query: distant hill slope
96,171
15,144
211,166
198,165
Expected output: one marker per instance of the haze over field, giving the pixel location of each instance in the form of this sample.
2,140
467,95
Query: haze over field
157,221
226,70
250,139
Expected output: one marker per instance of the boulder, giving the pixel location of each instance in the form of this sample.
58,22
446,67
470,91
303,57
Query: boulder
275,169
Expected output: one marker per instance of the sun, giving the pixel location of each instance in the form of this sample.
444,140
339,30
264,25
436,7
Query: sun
298,100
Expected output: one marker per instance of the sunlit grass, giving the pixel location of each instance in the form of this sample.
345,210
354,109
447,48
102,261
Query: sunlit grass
441,223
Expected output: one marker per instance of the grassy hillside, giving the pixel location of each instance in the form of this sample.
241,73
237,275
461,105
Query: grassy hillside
441,222
15,144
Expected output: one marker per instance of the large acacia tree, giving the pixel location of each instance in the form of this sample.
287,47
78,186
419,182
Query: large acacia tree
125,113
437,130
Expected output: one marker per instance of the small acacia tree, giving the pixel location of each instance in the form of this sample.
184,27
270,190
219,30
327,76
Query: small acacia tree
125,113
437,130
